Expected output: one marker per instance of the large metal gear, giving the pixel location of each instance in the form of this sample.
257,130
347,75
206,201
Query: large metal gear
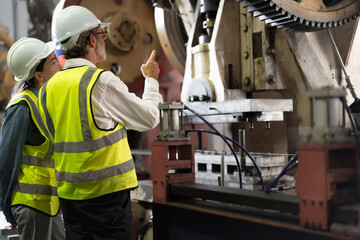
304,15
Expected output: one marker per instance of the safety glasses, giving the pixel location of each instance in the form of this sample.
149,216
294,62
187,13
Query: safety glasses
104,34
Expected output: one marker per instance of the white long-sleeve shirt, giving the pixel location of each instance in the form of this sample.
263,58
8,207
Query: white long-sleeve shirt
112,102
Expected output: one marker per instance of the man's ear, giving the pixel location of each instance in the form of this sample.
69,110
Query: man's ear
38,76
92,41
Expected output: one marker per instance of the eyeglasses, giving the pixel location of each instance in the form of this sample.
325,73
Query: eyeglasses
104,34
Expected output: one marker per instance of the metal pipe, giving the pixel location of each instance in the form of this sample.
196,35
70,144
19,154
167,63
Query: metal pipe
223,169
242,143
347,78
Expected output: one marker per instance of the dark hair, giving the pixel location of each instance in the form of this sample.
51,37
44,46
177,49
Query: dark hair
27,84
40,66
79,49
30,82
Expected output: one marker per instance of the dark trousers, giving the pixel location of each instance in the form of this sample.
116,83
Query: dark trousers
105,217
36,225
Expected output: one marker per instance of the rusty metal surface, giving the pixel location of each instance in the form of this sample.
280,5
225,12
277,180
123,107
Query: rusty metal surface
171,162
326,173
305,15
347,214
215,208
259,199
326,177
198,219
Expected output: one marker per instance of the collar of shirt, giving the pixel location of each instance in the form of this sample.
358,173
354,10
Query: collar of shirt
34,90
77,62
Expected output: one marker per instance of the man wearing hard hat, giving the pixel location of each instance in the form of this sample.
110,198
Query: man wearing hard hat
28,195
86,110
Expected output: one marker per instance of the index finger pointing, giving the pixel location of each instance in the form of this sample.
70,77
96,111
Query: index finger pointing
152,57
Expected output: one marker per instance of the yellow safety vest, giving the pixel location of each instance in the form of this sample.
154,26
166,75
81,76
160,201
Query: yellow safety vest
36,185
89,161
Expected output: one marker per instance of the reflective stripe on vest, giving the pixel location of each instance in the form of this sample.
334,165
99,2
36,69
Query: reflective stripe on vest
35,189
90,162
36,185
91,146
49,123
97,174
37,162
34,113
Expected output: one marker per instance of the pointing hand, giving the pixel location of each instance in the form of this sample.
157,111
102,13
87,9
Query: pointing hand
151,68
12,226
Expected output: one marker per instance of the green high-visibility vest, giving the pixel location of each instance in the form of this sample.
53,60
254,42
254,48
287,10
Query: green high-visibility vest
36,185
89,161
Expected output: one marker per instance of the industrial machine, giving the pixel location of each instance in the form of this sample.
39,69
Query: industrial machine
266,86
250,67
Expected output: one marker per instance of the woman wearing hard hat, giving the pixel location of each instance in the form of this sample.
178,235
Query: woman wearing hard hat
28,195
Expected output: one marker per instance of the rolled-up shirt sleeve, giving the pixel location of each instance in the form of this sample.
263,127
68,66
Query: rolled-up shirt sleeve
112,103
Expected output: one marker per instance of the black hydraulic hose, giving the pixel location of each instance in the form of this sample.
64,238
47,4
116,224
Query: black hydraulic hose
241,147
220,135
290,165
353,125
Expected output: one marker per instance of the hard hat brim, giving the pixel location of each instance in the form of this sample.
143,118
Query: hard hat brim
77,34
51,46
44,50
104,24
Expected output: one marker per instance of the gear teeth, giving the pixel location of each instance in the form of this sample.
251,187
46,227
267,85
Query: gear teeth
251,9
282,23
247,4
264,17
257,14
273,14
281,19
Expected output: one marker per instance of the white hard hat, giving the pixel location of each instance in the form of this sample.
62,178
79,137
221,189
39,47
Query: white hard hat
72,21
25,55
